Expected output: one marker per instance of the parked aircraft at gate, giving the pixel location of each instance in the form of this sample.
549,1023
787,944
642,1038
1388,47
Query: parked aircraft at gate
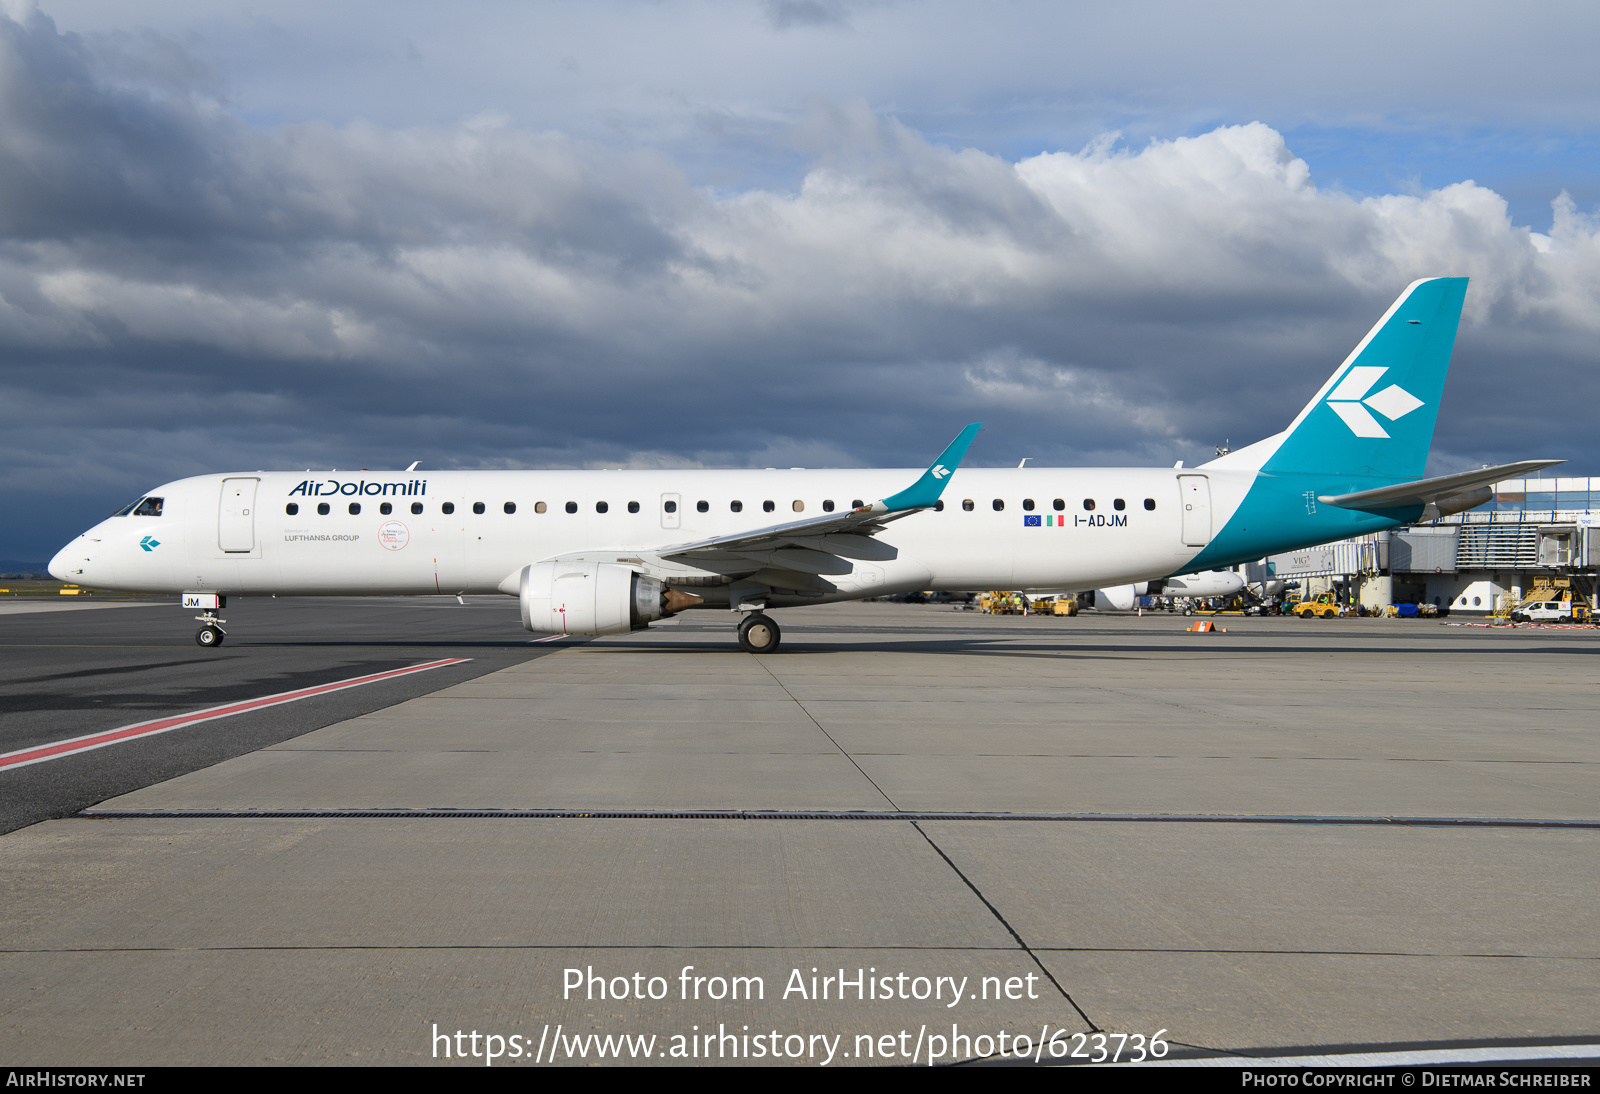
605,552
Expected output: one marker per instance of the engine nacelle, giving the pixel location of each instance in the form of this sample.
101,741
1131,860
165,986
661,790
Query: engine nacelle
1117,598
588,598
1456,503
1206,583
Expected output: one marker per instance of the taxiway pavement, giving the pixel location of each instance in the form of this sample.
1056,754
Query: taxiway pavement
636,805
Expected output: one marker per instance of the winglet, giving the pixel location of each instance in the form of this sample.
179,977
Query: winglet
923,493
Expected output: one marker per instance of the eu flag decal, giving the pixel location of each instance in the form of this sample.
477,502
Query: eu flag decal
1030,522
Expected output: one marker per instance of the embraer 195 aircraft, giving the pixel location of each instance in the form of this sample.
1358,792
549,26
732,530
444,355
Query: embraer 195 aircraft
606,552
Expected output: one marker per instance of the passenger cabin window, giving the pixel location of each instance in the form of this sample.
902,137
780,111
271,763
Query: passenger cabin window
998,505
601,507
416,508
1059,504
856,503
938,506
702,507
1149,503
671,506
355,509
1088,504
540,507
966,503
736,506
447,508
768,506
510,507
572,507
633,507
149,507
385,508
799,506
827,506
292,509
322,508
1119,505
478,507
1027,503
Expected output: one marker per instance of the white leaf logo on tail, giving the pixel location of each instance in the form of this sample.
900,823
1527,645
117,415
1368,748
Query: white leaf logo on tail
1350,401
939,471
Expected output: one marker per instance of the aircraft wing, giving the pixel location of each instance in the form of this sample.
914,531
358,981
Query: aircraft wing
823,545
1429,491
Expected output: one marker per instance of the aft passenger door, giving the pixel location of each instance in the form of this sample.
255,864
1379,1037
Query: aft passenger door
1195,493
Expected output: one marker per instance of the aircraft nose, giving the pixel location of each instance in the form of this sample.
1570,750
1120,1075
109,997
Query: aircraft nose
62,566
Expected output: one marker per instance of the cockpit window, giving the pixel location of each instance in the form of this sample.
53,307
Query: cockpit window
149,507
126,509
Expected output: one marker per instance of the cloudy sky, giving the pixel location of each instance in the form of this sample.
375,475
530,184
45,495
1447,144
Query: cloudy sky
794,232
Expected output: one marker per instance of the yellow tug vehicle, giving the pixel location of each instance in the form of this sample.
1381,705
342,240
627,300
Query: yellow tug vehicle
1323,607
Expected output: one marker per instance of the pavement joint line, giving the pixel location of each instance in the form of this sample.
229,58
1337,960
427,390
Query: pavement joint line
738,947
873,782
824,815
532,946
937,850
72,746
1094,1027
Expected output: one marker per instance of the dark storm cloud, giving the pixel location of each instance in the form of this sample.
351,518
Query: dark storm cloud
182,293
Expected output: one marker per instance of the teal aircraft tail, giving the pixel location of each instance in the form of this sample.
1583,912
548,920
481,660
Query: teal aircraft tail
1373,420
1331,474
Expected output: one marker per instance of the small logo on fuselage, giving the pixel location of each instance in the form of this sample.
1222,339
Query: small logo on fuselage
149,543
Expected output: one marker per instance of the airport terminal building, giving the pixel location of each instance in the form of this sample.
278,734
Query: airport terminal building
1535,534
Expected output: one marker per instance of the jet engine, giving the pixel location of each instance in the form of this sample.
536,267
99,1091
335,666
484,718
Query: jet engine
593,598
1209,583
1456,503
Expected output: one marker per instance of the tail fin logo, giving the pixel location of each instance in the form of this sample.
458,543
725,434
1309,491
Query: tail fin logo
1349,400
939,471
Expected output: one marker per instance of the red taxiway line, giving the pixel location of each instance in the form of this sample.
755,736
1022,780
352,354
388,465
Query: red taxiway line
74,745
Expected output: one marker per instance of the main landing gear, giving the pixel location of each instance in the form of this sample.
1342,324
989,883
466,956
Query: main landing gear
758,634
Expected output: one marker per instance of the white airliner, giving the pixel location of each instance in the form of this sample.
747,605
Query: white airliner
606,552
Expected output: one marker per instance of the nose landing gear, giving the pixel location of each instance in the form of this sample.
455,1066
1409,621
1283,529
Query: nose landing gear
759,634
210,634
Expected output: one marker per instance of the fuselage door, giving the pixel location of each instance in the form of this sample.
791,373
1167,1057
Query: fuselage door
671,517
236,516
1195,493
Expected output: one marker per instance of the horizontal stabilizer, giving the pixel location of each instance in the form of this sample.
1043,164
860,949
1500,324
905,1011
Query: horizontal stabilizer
1428,491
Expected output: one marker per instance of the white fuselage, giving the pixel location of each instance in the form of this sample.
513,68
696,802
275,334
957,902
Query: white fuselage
234,534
